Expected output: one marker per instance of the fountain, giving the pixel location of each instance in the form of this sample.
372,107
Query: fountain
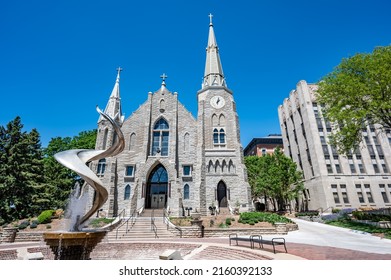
77,243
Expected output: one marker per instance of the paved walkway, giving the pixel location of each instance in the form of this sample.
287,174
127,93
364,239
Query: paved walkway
313,241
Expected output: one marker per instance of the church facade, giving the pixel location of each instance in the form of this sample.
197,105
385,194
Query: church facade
172,159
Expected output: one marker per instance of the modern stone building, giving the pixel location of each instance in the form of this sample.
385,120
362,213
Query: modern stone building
264,145
171,158
362,179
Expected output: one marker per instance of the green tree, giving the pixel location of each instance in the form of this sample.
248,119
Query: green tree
21,170
274,177
357,93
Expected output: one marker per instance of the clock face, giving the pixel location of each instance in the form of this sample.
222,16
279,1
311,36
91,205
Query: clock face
217,102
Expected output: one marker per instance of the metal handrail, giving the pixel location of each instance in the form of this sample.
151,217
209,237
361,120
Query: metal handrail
168,222
133,218
153,226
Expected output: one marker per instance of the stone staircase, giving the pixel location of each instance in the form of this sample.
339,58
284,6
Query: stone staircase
141,229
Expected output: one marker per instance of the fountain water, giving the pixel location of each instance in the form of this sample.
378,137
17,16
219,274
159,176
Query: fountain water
76,243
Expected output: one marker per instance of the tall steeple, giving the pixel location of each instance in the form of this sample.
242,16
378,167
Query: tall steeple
113,107
213,75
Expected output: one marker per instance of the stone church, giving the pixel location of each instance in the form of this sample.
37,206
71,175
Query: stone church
172,159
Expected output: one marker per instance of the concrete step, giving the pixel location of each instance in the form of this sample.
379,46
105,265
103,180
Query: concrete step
142,229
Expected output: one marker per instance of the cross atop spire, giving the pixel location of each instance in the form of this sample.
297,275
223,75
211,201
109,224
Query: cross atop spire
113,107
163,77
213,75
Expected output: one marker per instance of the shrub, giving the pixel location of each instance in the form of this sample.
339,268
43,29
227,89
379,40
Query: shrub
255,217
23,224
222,225
45,217
228,221
33,225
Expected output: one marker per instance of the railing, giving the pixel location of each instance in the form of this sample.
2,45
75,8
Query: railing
132,220
153,226
166,220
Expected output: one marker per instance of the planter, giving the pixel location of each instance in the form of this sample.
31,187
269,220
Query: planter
9,235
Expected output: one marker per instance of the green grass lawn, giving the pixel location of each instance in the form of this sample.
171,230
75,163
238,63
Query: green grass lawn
361,227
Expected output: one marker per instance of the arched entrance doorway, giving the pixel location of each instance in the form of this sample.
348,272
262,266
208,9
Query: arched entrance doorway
222,194
156,196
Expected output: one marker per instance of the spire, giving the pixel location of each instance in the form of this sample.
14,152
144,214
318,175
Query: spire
163,77
214,75
113,107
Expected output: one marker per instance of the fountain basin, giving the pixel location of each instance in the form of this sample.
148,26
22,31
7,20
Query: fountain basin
73,245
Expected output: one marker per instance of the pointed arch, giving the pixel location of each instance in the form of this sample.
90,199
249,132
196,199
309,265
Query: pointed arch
217,166
231,167
160,138
210,166
224,166
215,120
132,141
222,194
222,120
186,142
186,191
127,192
162,105
222,136
157,187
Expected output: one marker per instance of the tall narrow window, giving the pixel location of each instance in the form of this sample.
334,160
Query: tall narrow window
127,192
101,166
222,136
105,135
132,140
186,192
215,136
186,142
129,170
160,137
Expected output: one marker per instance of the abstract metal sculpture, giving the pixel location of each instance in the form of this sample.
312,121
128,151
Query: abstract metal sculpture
76,160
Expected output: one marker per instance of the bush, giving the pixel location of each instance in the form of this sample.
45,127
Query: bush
23,224
34,224
228,221
360,215
45,217
255,217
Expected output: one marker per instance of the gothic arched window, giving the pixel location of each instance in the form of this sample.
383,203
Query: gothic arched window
222,136
127,192
132,140
218,136
160,138
186,192
186,142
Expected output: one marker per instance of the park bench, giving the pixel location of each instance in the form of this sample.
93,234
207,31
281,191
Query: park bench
276,241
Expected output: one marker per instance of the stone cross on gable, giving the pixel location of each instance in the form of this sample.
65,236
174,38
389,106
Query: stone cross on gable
164,77
119,69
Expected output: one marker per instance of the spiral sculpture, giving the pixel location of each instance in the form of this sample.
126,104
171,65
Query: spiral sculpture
76,160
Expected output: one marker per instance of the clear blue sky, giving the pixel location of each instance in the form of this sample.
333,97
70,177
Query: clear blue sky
58,59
